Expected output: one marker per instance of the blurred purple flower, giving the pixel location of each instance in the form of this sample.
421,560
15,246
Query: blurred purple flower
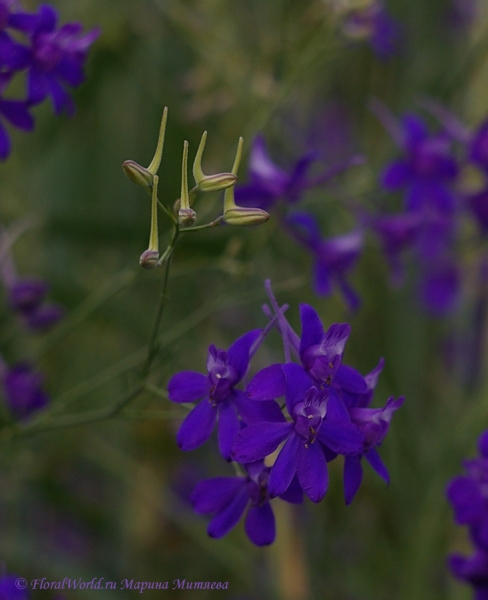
333,257
57,59
468,496
218,397
22,386
9,589
426,170
375,24
16,113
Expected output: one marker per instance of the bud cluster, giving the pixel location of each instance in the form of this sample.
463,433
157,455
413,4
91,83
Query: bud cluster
183,215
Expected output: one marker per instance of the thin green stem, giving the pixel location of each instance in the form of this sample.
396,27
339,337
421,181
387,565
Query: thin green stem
213,223
153,345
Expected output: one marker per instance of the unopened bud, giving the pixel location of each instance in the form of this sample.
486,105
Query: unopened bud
241,215
139,175
149,259
186,217
215,183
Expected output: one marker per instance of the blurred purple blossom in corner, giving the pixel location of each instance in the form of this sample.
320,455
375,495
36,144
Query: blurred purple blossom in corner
22,386
52,59
469,499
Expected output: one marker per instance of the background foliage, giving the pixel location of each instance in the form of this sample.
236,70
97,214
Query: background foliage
107,499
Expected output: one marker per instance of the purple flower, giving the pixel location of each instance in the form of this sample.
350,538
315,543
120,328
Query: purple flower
16,113
333,257
57,59
26,297
375,24
468,496
268,182
473,570
218,398
374,423
23,391
425,171
9,589
228,497
313,434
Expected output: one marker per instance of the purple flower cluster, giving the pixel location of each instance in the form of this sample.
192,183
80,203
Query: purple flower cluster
270,187
26,298
51,57
428,176
283,447
468,495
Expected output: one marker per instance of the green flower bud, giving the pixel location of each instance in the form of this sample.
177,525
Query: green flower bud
139,175
241,215
149,259
210,183
186,217
215,183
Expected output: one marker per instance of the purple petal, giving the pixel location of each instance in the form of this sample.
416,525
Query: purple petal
254,195
294,493
336,409
341,436
225,520
37,86
350,379
251,411
259,440
297,383
212,495
312,471
187,386
378,465
228,427
468,503
238,352
353,475
267,384
60,98
5,144
285,467
312,329
197,426
260,524
397,175
263,169
17,113
321,279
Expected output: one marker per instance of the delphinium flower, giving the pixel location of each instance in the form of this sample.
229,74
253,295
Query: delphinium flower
52,59
374,24
217,397
425,174
10,589
23,389
333,257
283,452
469,499
26,295
228,497
272,187
328,405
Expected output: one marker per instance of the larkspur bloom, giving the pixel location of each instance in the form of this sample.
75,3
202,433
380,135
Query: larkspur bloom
23,390
309,437
333,257
228,497
469,499
218,399
57,59
10,590
375,24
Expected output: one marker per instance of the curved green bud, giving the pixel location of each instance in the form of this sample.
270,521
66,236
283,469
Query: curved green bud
241,215
137,174
185,197
210,183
